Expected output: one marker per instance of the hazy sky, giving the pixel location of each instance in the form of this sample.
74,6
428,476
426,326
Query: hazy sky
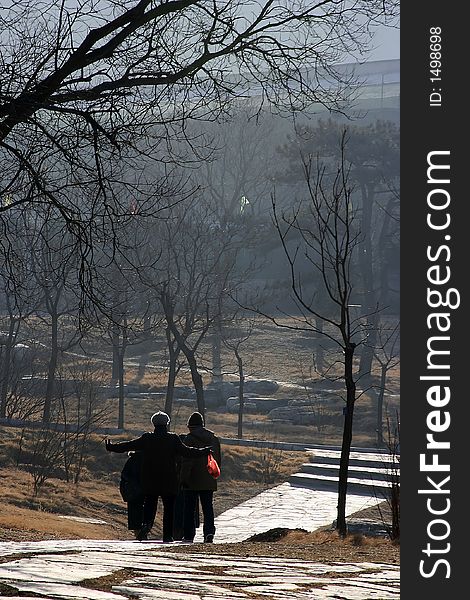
387,44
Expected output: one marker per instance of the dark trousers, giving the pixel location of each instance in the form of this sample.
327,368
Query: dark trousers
190,502
150,511
135,513
179,515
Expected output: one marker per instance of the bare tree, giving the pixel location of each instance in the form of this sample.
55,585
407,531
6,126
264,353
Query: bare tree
392,494
237,177
122,314
324,234
54,258
81,413
234,337
20,299
43,451
387,355
372,156
190,283
104,88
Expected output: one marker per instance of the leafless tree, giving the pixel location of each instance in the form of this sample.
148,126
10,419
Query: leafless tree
235,179
42,451
392,493
192,281
122,315
324,233
92,93
19,299
54,258
239,331
81,413
387,355
372,156
237,176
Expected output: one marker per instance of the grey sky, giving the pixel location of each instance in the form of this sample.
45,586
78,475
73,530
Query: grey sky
387,44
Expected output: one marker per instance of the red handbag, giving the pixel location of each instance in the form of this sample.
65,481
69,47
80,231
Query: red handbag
212,466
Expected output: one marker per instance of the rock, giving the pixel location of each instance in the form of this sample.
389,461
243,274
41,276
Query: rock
261,386
297,415
264,405
248,407
185,391
273,535
316,400
261,405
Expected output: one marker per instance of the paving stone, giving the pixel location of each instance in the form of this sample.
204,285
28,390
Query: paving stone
202,583
56,568
273,589
191,589
344,591
84,520
148,594
284,506
68,592
186,577
40,569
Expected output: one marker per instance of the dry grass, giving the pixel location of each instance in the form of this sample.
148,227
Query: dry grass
317,547
245,473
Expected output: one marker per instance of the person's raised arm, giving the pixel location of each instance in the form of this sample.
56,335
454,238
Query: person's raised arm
121,447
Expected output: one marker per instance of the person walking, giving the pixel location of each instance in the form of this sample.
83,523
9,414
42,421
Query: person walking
161,449
132,492
196,481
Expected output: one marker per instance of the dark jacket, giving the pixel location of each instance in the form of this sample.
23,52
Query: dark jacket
160,459
130,485
194,473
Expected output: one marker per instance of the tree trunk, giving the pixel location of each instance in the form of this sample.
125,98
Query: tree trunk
241,398
173,353
147,326
347,438
369,293
384,266
319,354
6,366
121,354
197,380
190,357
367,354
121,390
217,379
116,353
52,367
380,403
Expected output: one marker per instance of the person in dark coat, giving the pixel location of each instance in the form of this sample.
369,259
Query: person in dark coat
132,493
159,474
197,482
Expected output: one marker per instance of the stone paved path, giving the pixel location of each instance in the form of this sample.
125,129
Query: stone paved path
309,500
59,569
286,506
